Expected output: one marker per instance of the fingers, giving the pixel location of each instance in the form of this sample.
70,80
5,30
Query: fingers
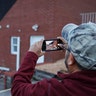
63,40
36,48
64,45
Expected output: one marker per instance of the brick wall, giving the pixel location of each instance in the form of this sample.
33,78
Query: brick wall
50,15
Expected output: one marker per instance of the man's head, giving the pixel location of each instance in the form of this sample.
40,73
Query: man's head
82,43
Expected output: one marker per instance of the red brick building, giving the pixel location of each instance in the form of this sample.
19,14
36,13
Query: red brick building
48,17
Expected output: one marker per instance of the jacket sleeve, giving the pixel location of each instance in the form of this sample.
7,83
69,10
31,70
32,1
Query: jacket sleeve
22,85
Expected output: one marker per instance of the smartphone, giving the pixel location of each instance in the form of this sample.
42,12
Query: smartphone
51,45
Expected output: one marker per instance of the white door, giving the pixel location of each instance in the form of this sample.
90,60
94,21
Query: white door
34,39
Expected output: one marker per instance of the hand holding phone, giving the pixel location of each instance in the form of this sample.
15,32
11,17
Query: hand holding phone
51,45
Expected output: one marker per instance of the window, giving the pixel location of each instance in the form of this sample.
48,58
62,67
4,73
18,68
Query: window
14,44
88,17
34,39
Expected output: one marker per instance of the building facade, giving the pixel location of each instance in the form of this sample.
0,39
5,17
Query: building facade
28,21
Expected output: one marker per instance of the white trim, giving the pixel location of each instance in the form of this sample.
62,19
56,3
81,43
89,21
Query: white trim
2,91
13,45
4,68
17,53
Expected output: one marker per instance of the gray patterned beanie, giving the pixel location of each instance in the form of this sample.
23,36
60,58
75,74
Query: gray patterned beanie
82,43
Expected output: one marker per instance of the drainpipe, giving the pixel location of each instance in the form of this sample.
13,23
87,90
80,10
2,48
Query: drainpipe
18,55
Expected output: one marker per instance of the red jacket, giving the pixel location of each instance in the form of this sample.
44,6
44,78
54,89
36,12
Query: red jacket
81,83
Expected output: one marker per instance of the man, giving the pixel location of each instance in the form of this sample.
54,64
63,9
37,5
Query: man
80,59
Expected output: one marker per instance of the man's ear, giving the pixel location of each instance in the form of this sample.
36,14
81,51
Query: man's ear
71,59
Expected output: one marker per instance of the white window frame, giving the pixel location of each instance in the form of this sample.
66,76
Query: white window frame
32,41
17,53
14,45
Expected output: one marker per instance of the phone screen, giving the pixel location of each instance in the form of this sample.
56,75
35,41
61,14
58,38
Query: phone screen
51,45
